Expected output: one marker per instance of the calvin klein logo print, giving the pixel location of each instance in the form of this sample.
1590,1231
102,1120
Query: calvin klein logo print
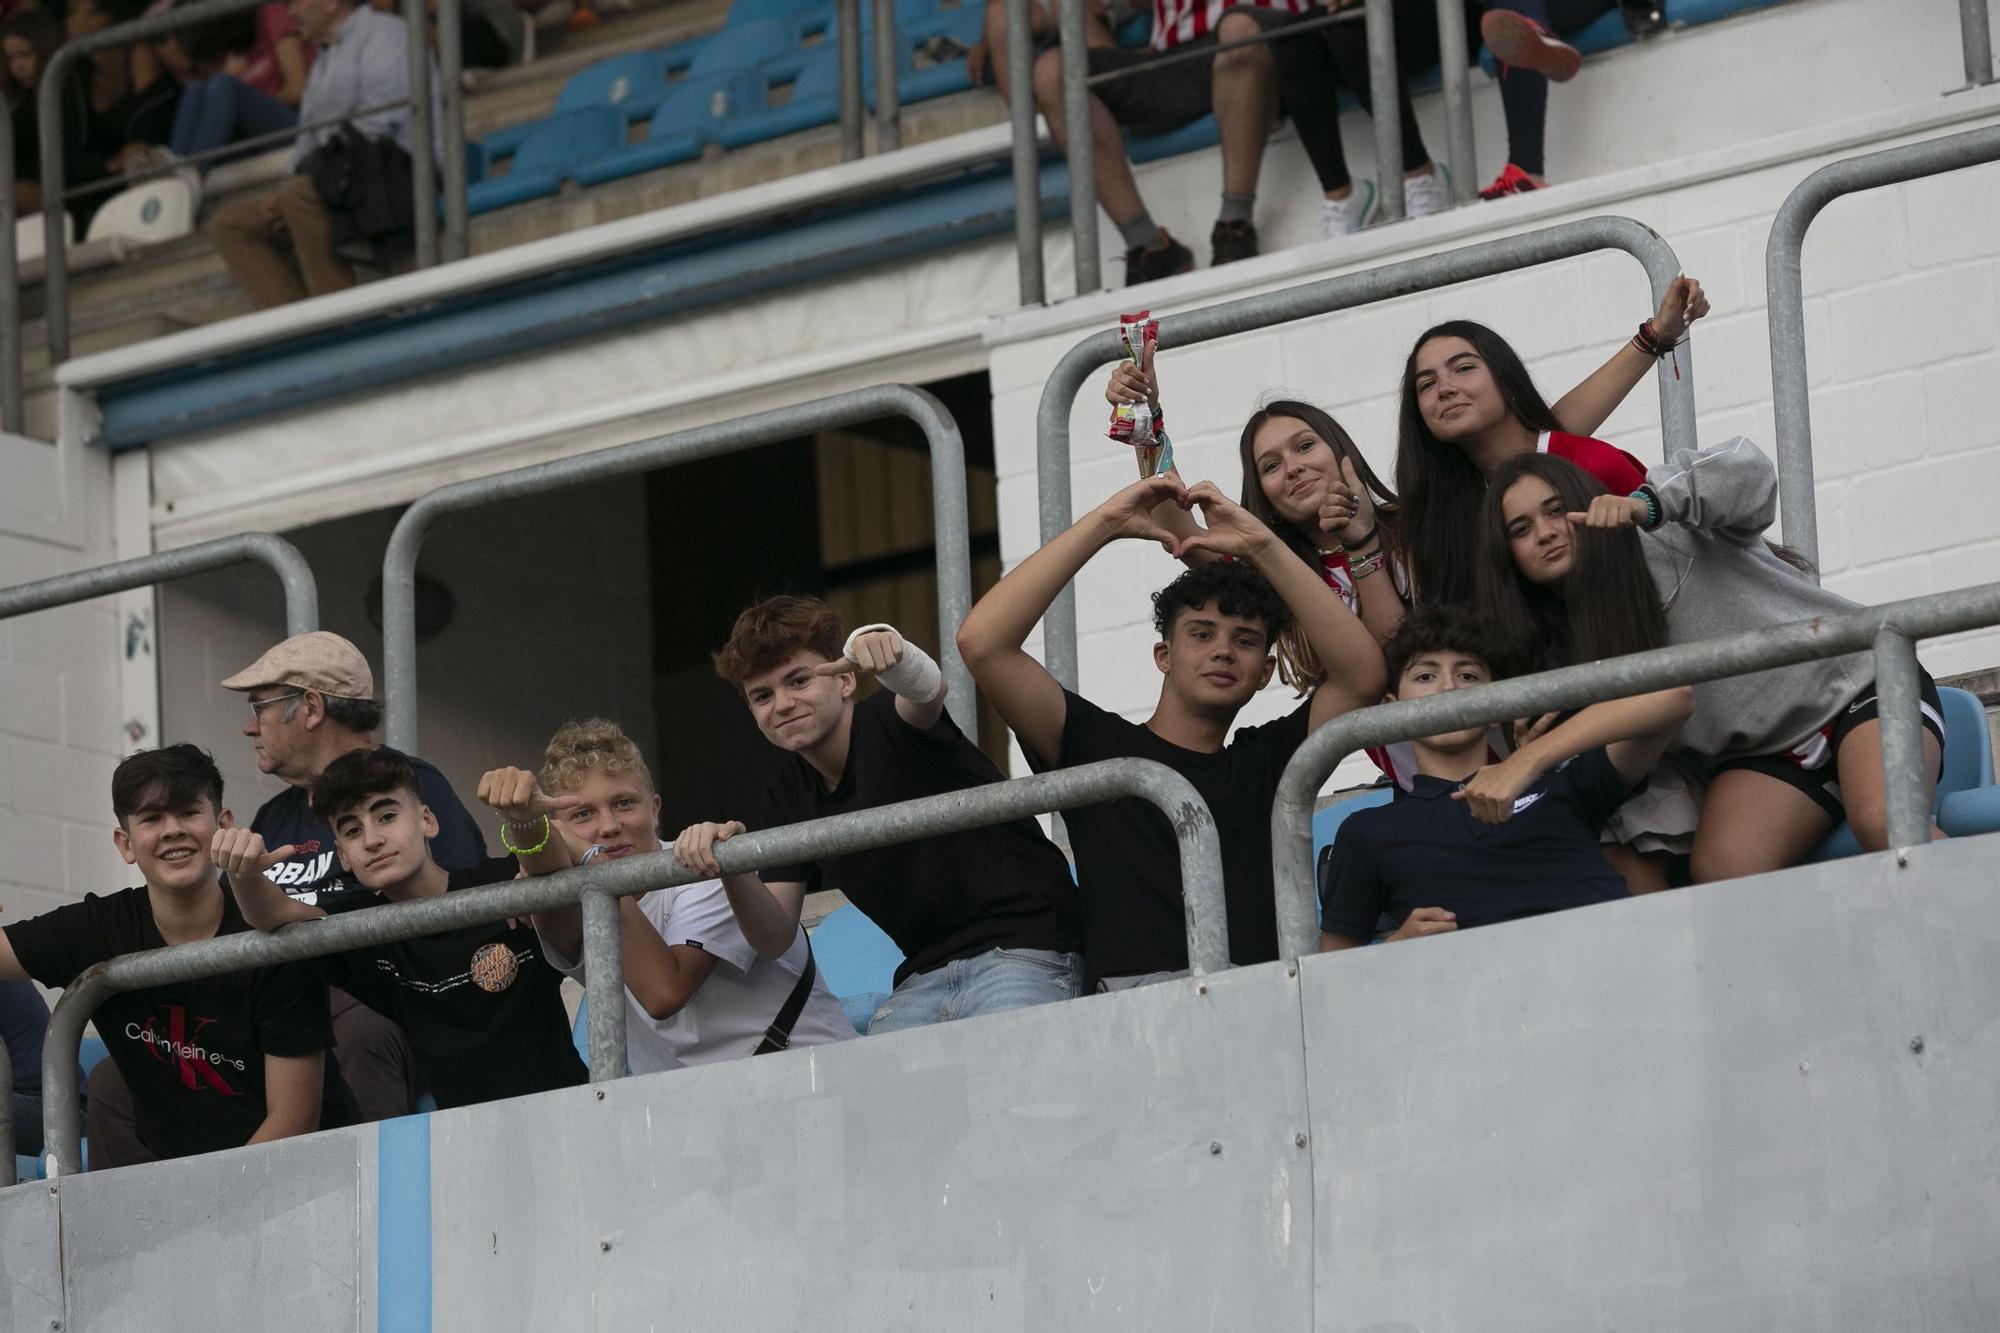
494,968
195,1063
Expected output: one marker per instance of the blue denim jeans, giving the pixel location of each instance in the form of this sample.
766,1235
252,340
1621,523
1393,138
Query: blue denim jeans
987,983
221,109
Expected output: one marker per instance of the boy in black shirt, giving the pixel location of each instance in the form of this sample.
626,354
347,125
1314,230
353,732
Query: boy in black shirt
480,1004
1473,843
1217,624
212,1063
986,919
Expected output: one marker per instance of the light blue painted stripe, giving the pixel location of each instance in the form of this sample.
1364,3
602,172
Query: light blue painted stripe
403,1225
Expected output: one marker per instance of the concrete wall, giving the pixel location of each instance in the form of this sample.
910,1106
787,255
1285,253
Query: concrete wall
62,723
547,626
1767,1104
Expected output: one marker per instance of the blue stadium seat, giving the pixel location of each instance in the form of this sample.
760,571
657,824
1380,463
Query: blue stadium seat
754,11
961,25
688,119
857,960
1965,786
579,1032
1609,30
548,156
748,45
815,101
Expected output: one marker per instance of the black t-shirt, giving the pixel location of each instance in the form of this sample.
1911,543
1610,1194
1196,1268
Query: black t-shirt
1129,864
481,1006
314,874
1424,849
191,1052
941,898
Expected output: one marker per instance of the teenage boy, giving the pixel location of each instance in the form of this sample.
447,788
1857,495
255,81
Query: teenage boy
695,991
1471,842
212,1063
480,1004
1217,623
987,918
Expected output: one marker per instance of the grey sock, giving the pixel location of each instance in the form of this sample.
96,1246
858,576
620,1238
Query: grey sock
1142,232
1236,207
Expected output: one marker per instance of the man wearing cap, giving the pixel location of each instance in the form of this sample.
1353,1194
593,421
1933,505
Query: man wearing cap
312,700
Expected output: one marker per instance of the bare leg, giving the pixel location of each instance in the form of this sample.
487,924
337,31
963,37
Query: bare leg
1117,192
1861,789
1245,97
1644,872
1751,823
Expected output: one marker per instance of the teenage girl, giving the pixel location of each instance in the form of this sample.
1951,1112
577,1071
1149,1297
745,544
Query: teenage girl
1570,573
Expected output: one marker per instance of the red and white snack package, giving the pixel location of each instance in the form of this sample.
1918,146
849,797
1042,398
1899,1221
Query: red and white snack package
1137,424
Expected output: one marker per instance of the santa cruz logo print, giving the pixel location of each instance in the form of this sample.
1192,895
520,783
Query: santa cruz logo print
494,968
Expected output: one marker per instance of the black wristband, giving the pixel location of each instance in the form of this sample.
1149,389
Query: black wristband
1369,536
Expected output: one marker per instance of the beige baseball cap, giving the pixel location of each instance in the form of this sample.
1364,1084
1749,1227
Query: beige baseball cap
320,661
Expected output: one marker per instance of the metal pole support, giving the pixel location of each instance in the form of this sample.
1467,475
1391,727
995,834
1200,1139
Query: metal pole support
1791,397
1455,65
948,504
12,411
423,160
275,553
1027,157
1383,79
1889,629
1078,146
604,985
1898,701
888,117
6,1117
1976,36
1484,260
847,31
451,79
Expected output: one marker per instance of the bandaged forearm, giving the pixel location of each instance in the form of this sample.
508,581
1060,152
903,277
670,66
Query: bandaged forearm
915,676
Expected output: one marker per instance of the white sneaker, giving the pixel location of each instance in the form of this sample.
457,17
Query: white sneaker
1425,194
1338,217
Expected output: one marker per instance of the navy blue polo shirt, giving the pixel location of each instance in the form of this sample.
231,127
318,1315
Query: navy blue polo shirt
1424,849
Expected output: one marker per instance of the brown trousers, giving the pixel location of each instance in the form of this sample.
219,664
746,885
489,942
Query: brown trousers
374,1056
276,264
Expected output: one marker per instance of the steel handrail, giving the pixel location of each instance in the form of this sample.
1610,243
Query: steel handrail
1784,290
597,888
1889,631
49,109
275,553
951,524
1564,241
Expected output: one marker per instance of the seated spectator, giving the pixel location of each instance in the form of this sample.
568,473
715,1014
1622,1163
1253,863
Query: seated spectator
30,37
1239,86
1315,67
986,919
133,95
1217,624
481,1005
1473,841
1523,36
989,54
24,1021
695,991
347,191
212,1063
246,75
312,701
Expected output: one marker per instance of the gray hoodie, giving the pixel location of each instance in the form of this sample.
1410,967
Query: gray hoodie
1717,577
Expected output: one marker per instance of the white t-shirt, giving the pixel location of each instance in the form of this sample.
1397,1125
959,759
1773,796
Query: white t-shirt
742,996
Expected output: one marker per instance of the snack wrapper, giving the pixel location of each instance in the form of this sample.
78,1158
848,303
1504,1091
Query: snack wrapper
1137,424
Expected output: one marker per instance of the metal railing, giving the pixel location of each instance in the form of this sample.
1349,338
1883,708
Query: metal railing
275,553
1484,260
11,403
1791,396
6,1117
1385,82
1890,631
597,888
950,531
423,169
1975,34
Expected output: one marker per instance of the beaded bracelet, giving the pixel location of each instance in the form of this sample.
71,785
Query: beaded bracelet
506,846
1367,564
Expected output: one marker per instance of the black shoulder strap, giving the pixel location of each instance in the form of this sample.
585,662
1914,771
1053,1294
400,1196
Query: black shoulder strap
778,1036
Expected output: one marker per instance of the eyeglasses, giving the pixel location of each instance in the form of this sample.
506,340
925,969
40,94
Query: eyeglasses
257,706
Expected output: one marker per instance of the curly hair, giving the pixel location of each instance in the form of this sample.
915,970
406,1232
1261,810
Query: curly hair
1430,629
1234,587
593,745
769,633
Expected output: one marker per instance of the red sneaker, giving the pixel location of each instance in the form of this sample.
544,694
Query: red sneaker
1519,41
1511,181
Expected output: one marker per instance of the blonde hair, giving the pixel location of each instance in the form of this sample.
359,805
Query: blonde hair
596,744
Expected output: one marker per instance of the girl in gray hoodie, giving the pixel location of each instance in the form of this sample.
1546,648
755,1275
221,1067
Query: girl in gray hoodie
1571,574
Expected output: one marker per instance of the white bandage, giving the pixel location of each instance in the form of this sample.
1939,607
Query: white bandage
915,676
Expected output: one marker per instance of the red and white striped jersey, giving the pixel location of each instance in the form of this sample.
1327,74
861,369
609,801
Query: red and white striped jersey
1177,21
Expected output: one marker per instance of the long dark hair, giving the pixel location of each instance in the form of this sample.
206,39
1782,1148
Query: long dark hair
1441,488
40,31
1297,665
1607,606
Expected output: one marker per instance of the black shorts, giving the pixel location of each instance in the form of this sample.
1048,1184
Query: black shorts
1175,96
1822,782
